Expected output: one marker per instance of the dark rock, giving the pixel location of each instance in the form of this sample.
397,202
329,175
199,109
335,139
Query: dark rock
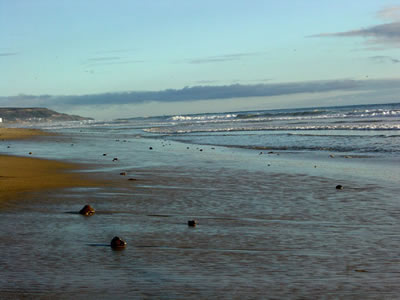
30,153
115,159
192,223
150,148
201,150
339,187
123,173
117,243
104,154
87,210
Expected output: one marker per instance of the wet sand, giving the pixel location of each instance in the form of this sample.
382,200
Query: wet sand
20,133
264,231
22,175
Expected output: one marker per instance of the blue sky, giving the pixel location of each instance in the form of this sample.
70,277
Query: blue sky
76,48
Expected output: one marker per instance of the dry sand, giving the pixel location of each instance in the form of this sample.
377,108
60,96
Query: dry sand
21,175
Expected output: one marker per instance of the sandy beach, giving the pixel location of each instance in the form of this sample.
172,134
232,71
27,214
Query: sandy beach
269,224
20,133
21,175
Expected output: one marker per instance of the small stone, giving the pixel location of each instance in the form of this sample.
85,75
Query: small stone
339,187
104,154
201,150
192,223
331,156
115,159
123,173
117,243
150,148
87,210
30,153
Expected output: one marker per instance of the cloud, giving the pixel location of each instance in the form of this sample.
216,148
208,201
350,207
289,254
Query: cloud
8,53
221,58
384,59
115,51
391,13
105,58
109,60
387,34
197,93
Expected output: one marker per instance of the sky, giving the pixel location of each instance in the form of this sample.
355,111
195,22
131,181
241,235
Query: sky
125,58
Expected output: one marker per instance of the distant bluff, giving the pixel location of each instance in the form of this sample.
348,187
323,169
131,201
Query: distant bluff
35,114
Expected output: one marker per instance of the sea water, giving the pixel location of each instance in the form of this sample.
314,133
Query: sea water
261,185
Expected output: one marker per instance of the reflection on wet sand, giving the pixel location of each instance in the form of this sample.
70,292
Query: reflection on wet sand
260,235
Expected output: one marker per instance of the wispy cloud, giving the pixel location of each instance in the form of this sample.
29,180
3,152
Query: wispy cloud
8,53
387,34
391,13
232,81
222,58
104,58
384,59
115,51
198,93
109,60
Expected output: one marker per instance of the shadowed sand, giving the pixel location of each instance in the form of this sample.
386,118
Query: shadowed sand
20,175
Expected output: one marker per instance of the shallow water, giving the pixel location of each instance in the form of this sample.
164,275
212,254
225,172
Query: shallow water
269,226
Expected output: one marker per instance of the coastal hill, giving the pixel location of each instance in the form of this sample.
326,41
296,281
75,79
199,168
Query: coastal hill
35,114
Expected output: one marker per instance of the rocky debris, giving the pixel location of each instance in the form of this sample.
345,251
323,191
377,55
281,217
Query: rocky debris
117,243
192,223
87,210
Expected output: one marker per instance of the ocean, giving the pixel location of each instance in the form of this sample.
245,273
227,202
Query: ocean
261,184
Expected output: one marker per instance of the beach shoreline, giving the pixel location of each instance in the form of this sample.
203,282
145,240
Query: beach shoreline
20,133
20,176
